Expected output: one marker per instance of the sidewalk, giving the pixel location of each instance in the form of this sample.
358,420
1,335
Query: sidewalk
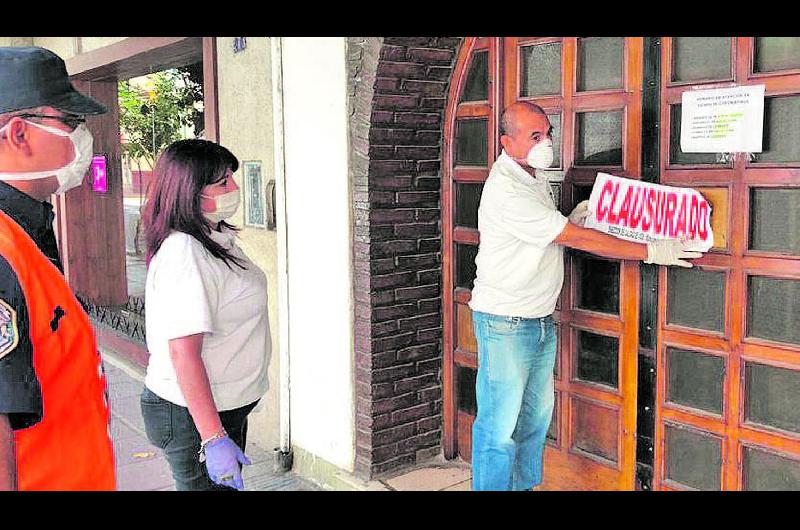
435,475
142,467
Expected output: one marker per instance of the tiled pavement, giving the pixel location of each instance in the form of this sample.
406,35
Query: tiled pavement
141,466
438,475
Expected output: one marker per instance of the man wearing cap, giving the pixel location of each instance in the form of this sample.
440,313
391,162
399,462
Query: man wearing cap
53,409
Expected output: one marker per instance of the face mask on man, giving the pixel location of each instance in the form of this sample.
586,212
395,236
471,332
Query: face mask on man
227,205
541,155
71,175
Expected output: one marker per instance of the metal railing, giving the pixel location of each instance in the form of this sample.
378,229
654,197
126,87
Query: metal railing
127,319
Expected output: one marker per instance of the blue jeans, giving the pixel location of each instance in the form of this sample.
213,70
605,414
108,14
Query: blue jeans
170,428
514,392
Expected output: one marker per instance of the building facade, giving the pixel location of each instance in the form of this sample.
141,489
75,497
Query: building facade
666,379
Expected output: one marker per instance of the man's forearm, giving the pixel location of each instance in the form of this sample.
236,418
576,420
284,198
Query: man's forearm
194,383
601,244
8,457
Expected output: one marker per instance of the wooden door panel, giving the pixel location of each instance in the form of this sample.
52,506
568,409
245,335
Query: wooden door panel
751,358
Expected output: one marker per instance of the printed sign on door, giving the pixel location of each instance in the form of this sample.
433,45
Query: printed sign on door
644,212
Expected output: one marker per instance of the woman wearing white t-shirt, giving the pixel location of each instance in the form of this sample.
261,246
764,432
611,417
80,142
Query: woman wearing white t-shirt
206,319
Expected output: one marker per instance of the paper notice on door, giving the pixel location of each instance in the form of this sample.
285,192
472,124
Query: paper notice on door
723,120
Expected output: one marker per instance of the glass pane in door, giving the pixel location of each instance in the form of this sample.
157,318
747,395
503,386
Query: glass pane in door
476,87
466,269
765,471
695,379
599,138
540,69
465,378
598,284
696,298
472,143
701,58
771,396
775,220
693,459
776,53
781,133
600,63
597,358
468,198
773,309
555,121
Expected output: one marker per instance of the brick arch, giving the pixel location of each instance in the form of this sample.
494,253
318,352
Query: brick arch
397,96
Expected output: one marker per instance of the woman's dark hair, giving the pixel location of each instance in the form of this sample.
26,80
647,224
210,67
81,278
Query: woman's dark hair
173,197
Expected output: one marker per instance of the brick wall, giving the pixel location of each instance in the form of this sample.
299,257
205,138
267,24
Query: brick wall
398,91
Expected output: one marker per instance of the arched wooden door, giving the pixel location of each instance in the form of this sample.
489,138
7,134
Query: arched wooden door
591,90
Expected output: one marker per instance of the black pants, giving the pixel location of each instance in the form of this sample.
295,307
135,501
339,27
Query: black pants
170,428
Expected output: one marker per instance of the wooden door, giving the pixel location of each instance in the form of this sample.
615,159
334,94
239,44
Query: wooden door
91,227
591,90
728,349
470,140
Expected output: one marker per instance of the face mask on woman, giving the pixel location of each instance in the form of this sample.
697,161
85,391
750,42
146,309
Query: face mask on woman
227,205
71,175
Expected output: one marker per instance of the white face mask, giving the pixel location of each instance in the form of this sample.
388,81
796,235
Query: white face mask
71,175
227,205
541,155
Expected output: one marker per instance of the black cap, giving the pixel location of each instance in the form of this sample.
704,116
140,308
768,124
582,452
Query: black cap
36,77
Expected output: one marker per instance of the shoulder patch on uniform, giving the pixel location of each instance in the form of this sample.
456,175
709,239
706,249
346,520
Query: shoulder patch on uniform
9,332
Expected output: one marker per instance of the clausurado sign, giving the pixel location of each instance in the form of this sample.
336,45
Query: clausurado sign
644,212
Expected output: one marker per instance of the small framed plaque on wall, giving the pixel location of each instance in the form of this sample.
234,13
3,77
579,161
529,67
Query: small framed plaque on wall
255,207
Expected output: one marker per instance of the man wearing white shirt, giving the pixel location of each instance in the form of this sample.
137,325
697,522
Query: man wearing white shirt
520,272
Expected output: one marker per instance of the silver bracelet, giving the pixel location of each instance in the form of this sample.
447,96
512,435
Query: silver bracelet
201,454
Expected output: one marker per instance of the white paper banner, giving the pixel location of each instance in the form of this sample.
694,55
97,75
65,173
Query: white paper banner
722,120
644,212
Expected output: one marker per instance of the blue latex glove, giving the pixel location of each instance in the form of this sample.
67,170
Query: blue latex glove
223,457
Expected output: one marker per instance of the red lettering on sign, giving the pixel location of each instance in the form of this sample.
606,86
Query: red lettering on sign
702,229
612,218
681,222
649,206
658,221
669,227
693,217
623,210
637,205
602,209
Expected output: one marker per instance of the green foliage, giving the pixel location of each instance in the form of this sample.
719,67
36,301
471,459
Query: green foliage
152,120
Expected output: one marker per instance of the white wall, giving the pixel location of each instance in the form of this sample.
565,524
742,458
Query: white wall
244,82
64,47
16,41
319,248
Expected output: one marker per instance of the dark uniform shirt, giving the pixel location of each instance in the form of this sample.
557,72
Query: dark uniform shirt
20,394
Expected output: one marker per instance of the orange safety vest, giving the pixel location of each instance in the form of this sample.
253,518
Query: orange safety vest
70,448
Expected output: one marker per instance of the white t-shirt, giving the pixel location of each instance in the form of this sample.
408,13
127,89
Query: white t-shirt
520,270
189,291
